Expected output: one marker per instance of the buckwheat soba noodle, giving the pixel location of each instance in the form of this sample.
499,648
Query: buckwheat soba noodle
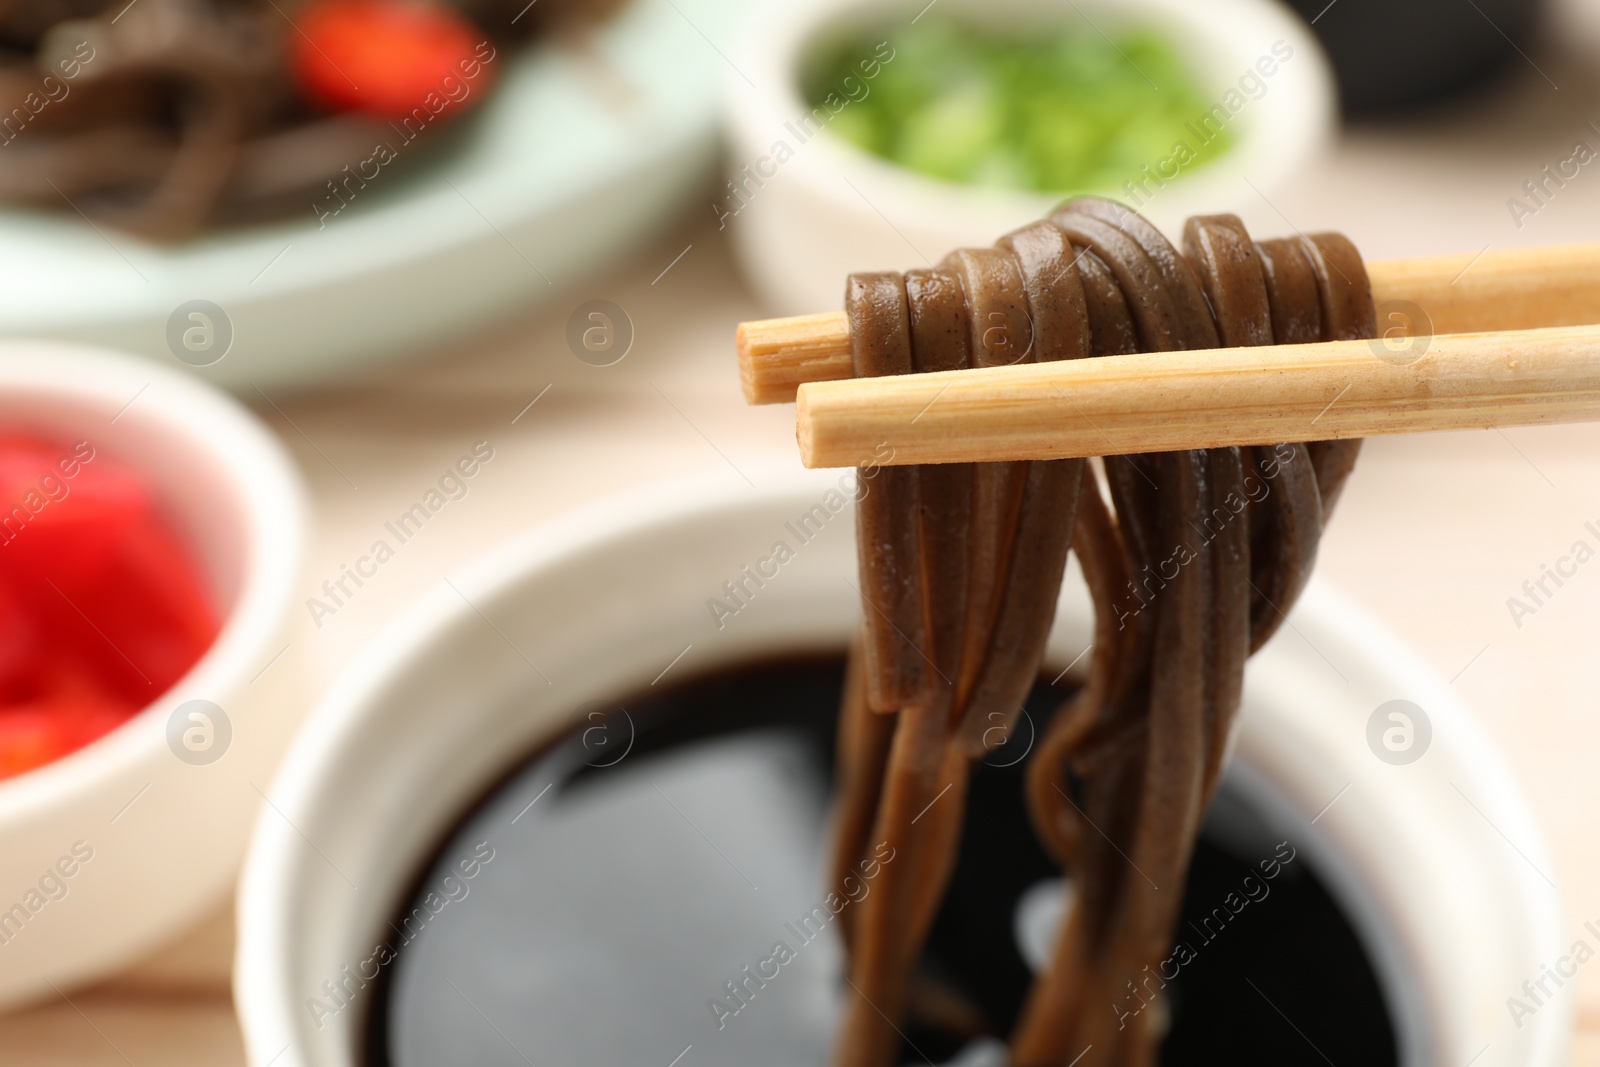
1192,559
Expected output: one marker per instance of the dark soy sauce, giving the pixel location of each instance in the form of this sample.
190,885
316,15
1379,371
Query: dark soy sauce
646,867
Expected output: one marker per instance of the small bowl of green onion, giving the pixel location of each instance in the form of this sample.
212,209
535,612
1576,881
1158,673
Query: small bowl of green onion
876,134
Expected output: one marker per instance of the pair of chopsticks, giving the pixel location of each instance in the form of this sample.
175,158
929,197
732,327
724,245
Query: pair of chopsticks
1502,339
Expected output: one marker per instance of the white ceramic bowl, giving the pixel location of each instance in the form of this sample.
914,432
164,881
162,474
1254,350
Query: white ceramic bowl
166,835
579,153
803,224
447,700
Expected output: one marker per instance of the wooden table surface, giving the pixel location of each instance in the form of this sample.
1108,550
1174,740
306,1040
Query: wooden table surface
1433,535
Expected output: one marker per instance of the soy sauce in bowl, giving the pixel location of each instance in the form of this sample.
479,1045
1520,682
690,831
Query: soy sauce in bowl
651,886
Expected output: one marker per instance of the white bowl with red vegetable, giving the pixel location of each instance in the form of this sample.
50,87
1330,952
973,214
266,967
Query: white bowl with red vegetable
151,536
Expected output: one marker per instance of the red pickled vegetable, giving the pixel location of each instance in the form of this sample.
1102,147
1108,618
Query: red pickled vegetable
102,609
387,58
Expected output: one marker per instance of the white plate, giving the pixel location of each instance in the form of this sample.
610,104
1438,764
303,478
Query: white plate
571,160
478,674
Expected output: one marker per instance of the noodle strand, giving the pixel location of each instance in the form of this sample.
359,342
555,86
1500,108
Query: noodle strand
1191,565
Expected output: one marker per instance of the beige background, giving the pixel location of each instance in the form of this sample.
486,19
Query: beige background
1433,535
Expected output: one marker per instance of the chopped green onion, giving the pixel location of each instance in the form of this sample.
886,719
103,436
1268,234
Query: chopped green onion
1064,109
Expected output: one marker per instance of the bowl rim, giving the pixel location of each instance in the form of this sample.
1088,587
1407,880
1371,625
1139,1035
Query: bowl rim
267,495
353,706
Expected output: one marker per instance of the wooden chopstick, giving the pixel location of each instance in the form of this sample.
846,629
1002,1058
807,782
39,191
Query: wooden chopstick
1515,289
1495,339
1203,399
